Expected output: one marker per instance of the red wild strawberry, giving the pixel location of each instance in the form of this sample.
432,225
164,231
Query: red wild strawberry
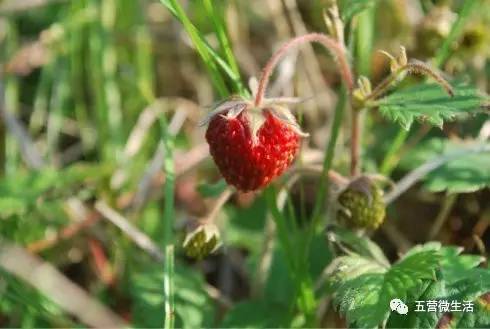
251,146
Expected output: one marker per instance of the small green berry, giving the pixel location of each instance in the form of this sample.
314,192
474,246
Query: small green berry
201,241
361,204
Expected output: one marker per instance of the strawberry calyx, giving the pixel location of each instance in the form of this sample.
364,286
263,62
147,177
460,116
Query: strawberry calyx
232,107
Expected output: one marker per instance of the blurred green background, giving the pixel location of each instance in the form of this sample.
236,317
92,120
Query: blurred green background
87,86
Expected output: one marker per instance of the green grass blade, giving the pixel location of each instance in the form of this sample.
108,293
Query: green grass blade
11,97
58,105
209,53
168,283
168,142
216,16
109,70
445,50
198,42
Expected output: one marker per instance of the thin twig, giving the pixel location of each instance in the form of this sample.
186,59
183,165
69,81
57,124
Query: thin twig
396,237
417,174
447,206
218,204
184,163
48,280
139,237
64,234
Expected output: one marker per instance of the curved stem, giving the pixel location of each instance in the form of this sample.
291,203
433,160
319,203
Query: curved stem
413,67
330,44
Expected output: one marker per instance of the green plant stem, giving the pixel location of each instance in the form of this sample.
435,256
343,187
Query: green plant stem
300,276
11,96
355,141
391,158
271,198
168,221
168,283
447,206
327,42
445,50
111,90
307,297
323,188
364,35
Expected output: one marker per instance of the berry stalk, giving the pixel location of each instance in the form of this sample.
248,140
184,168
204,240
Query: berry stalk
329,43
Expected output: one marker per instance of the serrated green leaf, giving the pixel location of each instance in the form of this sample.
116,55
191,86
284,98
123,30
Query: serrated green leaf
461,175
429,103
432,290
364,296
458,279
455,265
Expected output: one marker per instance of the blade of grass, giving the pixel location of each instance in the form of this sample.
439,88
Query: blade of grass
41,99
168,221
445,51
144,63
210,54
96,81
390,159
11,94
198,42
168,283
364,34
300,275
216,15
57,105
76,52
109,70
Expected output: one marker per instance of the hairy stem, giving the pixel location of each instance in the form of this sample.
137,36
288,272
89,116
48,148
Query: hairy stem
413,67
355,150
330,44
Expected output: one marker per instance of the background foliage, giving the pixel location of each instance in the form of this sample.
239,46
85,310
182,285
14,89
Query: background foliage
103,166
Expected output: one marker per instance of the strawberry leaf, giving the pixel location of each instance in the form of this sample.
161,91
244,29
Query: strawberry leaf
364,289
429,103
464,174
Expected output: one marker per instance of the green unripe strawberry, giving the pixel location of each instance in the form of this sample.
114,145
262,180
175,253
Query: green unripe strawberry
202,241
361,204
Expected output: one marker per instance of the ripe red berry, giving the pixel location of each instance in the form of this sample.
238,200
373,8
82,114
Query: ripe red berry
252,146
